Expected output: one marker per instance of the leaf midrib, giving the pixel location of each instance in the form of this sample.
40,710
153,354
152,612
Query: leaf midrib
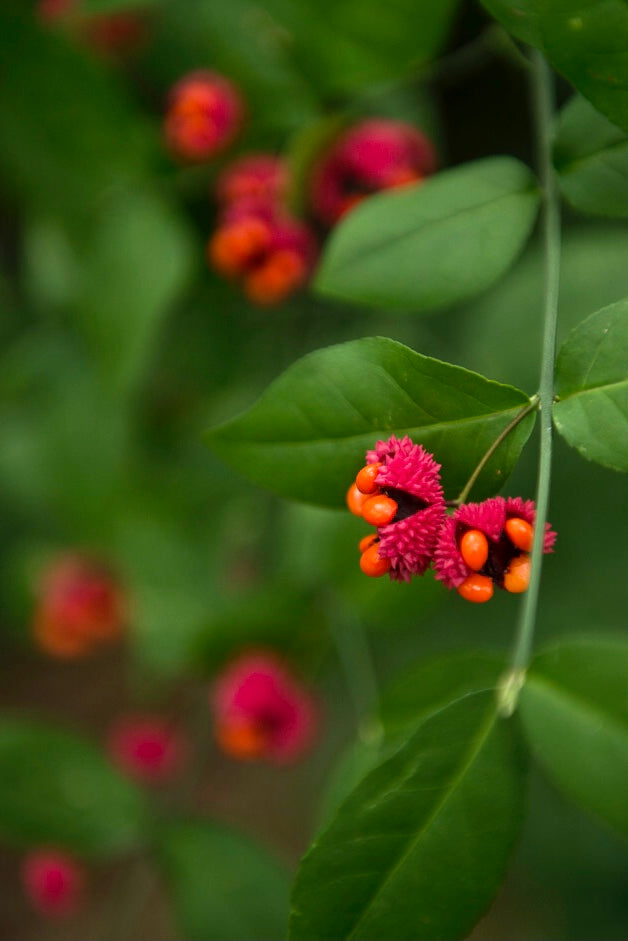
484,733
591,389
406,429
575,163
367,249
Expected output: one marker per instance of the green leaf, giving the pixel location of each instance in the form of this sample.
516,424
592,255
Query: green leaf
592,387
307,435
588,43
427,687
591,157
430,685
574,708
224,887
430,245
68,132
518,16
344,45
417,851
57,788
135,265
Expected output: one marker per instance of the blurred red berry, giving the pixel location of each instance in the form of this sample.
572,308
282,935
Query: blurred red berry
270,251
80,606
204,114
374,155
53,882
256,180
146,747
50,10
108,33
114,33
261,711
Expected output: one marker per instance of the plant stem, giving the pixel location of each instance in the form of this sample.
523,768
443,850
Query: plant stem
543,98
466,490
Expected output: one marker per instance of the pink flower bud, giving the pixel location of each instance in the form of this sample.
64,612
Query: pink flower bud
53,882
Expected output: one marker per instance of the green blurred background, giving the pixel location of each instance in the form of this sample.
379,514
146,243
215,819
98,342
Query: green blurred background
119,347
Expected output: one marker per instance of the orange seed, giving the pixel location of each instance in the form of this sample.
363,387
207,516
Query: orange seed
476,588
366,478
356,500
520,533
474,549
367,541
372,564
517,578
379,509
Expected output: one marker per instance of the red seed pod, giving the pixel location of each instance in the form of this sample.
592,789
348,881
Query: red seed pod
276,278
53,882
262,711
149,748
236,246
80,607
253,181
204,114
373,155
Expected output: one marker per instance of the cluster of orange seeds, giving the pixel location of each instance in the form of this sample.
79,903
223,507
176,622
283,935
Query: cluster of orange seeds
366,499
474,549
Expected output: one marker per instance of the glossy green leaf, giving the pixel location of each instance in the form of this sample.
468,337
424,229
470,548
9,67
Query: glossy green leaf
518,16
307,435
135,265
223,886
430,245
57,788
574,708
68,131
592,387
427,687
588,43
591,157
418,850
430,684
